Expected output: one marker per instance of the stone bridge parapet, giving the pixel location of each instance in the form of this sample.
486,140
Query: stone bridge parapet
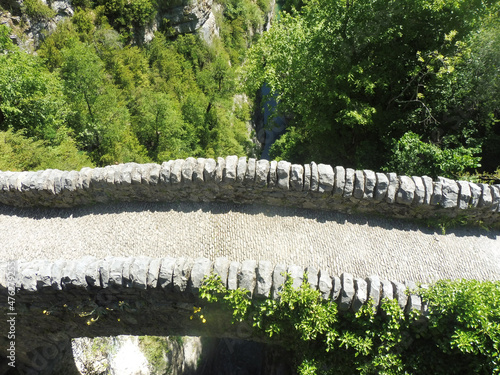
242,180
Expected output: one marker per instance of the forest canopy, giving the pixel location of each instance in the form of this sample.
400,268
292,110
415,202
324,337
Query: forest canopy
405,86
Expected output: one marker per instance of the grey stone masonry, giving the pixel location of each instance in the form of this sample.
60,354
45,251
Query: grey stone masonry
184,275
249,181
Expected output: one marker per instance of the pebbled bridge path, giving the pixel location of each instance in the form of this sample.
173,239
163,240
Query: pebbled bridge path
393,249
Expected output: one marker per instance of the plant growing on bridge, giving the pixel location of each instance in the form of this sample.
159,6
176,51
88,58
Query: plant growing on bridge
460,333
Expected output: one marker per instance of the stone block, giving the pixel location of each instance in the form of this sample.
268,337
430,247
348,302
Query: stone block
220,170
209,170
166,273
370,184
339,183
182,274
44,275
437,194
486,199
464,196
115,271
221,268
247,276
347,292
326,178
56,273
449,193
429,189
361,295
279,279
139,272
27,275
199,171
336,287
126,278
387,290
475,192
241,169
374,289
187,171
104,272
264,279
176,172
201,269
283,172
231,165
314,176
325,284
419,198
81,268
232,275
262,173
307,177
359,185
381,187
312,276
165,172
153,273
495,195
68,275
406,191
392,188
297,177
251,172
399,292
273,174
414,300
350,177
154,174
297,275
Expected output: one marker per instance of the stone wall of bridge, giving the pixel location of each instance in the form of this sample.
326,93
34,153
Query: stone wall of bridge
88,297
242,180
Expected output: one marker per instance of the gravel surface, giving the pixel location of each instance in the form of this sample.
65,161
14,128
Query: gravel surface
394,249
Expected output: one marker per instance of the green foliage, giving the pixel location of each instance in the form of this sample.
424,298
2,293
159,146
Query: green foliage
460,334
37,10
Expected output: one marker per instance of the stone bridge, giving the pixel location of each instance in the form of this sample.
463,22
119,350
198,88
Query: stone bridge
123,249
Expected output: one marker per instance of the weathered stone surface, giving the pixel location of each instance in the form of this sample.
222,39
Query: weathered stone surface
359,185
44,276
201,268
187,170
339,181
387,290
262,173
283,173
312,276
475,192
495,195
232,275
297,177
221,268
115,271
406,191
419,190
68,275
486,200
393,187
166,273
182,274
350,176
314,176
209,170
429,189
104,272
297,275
220,170
437,194
307,177
241,169
126,279
139,272
360,297
153,273
264,279
198,171
176,172
273,174
464,195
247,276
399,292
231,165
347,292
165,172
449,192
381,187
28,274
374,289
56,273
279,279
81,267
336,287
325,284
370,183
250,173
414,300
326,178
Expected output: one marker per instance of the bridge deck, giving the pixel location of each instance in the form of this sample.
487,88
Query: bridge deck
393,249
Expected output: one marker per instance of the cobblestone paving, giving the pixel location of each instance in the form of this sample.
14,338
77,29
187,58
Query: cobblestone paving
393,249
